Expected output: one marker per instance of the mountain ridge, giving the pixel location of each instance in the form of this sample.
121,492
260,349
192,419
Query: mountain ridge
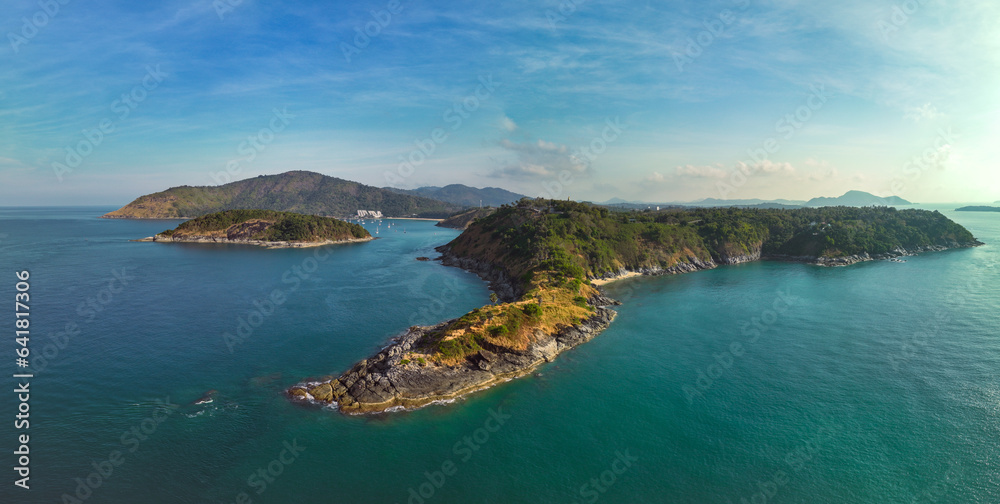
293,191
461,194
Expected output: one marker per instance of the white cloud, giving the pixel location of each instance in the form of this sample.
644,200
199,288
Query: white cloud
714,172
655,177
508,124
538,159
926,112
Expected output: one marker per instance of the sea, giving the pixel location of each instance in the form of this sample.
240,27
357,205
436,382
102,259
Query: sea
157,376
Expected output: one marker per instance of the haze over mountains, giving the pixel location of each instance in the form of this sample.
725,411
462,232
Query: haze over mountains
318,194
464,195
850,198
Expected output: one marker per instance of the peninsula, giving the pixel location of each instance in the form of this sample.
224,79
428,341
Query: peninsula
265,228
542,258
978,209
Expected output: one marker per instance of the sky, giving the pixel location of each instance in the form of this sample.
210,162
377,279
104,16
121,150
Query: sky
103,101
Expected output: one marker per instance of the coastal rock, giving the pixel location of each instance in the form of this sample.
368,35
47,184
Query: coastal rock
865,256
499,279
384,381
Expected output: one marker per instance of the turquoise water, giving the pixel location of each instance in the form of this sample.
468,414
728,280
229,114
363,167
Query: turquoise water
765,382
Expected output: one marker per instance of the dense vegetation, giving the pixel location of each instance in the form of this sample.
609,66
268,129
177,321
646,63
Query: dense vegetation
269,225
567,236
296,191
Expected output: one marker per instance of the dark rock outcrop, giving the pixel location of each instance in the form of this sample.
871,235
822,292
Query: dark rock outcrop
499,279
387,381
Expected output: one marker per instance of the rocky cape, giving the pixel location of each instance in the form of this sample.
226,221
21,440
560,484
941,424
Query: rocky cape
245,241
388,382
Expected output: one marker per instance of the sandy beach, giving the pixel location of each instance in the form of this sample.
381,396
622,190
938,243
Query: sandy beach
605,281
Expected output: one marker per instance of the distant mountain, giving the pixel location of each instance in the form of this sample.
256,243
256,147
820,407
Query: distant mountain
295,191
463,195
620,201
463,219
857,199
745,202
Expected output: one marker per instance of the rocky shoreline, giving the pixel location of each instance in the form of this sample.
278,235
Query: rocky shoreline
386,382
499,280
241,241
864,257
695,264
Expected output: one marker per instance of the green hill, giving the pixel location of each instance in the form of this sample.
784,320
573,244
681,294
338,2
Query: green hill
590,241
265,225
295,191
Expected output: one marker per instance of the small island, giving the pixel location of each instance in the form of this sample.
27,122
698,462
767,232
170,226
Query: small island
978,209
545,258
266,228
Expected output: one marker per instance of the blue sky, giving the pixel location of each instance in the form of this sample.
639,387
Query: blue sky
654,101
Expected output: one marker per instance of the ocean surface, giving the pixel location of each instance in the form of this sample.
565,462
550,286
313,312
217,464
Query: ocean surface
766,382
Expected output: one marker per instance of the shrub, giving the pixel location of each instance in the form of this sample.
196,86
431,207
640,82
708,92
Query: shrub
499,330
532,310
